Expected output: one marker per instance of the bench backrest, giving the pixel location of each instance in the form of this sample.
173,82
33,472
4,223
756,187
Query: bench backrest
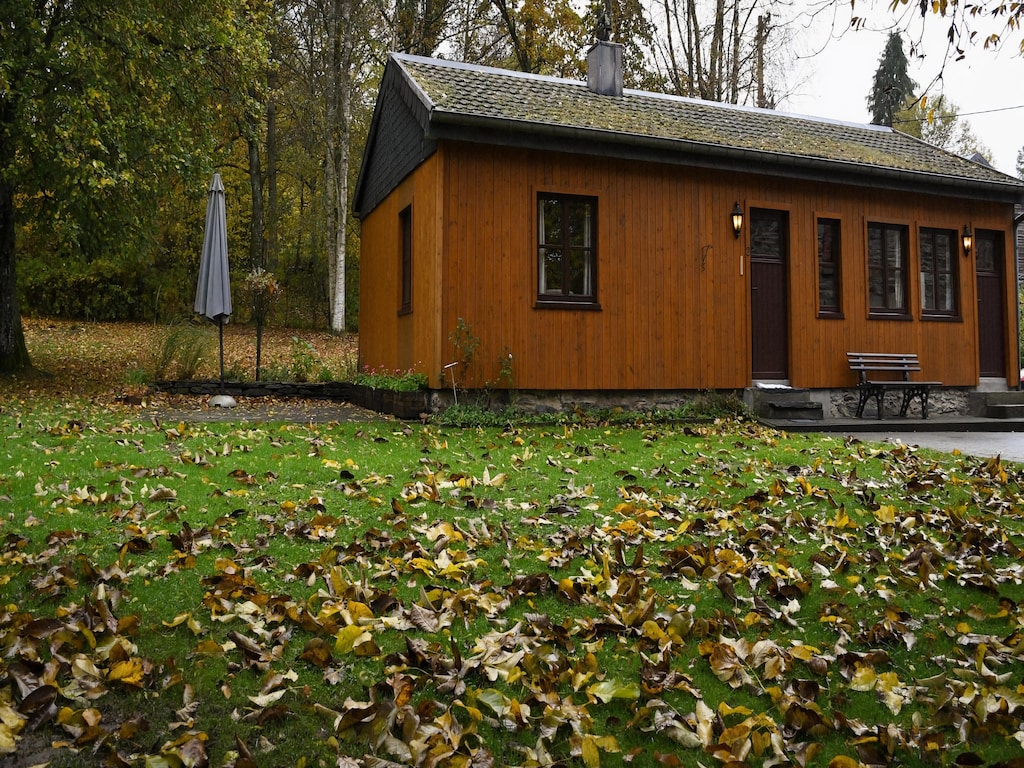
892,362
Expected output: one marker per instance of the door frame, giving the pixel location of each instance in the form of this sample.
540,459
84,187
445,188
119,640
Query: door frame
783,324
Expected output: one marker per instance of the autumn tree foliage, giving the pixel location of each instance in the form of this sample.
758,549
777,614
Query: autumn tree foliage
104,108
938,122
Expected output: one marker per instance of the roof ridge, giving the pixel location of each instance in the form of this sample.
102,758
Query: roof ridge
554,79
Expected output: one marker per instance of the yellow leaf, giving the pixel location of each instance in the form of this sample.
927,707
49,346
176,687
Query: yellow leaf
590,753
129,672
886,513
653,632
725,710
863,679
349,637
358,611
842,761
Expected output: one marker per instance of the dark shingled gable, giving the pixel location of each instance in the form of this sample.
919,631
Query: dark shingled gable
483,104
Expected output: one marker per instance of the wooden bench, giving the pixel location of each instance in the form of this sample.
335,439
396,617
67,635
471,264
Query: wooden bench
865,363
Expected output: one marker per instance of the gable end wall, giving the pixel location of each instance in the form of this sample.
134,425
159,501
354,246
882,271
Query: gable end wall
399,146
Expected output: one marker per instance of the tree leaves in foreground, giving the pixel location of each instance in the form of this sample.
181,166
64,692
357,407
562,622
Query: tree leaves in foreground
384,595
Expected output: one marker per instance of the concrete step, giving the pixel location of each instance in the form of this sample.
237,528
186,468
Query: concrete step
1000,398
1008,404
1005,410
804,410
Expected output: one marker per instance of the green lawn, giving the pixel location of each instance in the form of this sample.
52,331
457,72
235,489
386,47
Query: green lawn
388,594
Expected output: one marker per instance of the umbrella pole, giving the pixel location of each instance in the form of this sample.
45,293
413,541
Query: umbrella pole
220,329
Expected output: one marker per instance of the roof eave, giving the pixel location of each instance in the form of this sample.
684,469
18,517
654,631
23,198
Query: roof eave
465,127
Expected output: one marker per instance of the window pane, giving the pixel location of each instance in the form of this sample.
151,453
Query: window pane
578,217
551,221
766,236
566,239
943,252
985,248
944,293
938,270
887,265
876,271
828,265
552,271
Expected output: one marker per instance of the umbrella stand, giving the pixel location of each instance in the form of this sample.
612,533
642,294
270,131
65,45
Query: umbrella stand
222,400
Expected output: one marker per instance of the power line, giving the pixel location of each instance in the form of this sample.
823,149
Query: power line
958,115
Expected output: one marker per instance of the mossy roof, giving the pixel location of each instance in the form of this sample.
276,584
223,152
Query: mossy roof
453,92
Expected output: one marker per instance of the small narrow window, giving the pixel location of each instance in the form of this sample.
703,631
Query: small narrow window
566,249
887,270
405,227
828,269
939,249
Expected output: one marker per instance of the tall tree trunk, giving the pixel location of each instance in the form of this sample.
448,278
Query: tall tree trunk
339,132
256,241
272,214
734,72
716,63
13,352
759,43
695,69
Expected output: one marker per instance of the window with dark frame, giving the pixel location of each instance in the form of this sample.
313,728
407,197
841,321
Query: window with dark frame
828,269
405,227
566,249
887,269
939,250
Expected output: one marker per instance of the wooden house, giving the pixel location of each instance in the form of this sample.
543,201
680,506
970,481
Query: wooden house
613,240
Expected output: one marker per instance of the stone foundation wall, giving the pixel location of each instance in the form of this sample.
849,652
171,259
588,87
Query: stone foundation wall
545,401
842,403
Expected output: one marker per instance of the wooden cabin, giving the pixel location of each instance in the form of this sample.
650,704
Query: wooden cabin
619,240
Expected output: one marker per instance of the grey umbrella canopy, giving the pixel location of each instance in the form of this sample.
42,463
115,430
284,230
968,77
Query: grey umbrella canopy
213,292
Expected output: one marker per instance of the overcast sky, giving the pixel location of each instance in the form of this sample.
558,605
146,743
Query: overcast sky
987,86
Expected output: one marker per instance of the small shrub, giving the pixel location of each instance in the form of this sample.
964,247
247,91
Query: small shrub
276,372
306,364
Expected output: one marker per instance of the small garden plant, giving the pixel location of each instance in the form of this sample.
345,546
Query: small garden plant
398,380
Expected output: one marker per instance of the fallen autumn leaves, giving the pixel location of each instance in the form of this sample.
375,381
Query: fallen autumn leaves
353,595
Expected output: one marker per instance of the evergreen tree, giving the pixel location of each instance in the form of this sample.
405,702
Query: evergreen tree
892,88
1020,163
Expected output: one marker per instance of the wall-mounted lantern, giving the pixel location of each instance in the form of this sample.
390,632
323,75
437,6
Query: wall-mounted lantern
737,219
968,241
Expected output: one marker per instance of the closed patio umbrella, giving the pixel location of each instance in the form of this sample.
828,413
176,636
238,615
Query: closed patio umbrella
213,291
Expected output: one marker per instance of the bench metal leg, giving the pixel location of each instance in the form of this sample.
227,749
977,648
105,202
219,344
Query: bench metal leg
921,393
865,394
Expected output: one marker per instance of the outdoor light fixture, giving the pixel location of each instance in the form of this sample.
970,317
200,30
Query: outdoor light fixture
737,219
968,240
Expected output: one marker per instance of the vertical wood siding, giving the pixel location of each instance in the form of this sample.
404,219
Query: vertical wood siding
673,281
387,338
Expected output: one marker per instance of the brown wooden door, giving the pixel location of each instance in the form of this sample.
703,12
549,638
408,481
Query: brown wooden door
991,318
769,308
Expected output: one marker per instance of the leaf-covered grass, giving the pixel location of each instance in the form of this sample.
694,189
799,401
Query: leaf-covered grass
384,594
